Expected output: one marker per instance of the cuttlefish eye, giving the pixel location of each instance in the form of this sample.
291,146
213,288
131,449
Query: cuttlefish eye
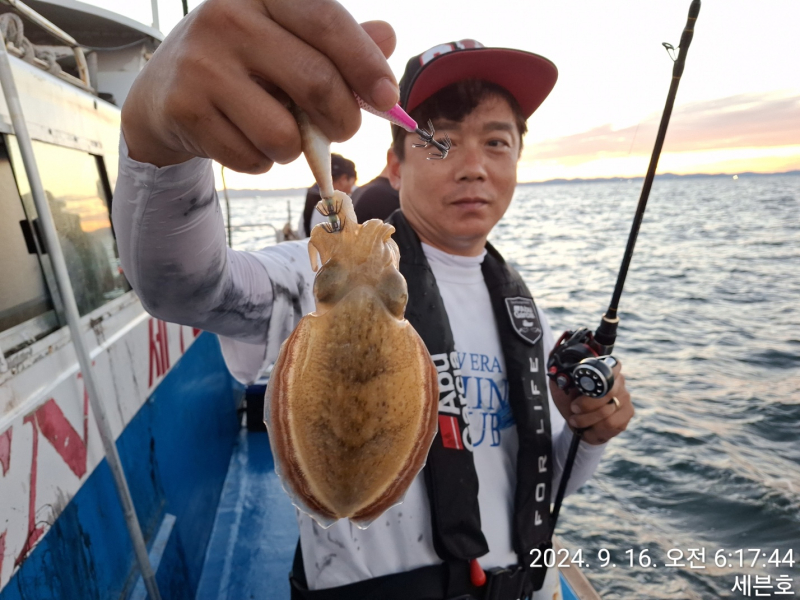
330,282
393,291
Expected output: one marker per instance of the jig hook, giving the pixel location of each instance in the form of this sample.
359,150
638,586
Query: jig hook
428,140
397,116
330,208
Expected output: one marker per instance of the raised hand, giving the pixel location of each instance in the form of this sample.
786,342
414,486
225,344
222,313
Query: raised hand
219,84
601,418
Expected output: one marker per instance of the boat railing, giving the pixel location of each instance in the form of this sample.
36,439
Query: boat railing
18,45
285,234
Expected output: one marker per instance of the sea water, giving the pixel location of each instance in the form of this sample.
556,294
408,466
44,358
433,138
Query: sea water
709,468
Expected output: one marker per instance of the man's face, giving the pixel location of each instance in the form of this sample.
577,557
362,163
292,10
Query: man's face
454,203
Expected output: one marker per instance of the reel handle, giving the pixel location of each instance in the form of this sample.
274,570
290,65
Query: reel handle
594,377
576,363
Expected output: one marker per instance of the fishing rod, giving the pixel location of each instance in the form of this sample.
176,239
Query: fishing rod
582,359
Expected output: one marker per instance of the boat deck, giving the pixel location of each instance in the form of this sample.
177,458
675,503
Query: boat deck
255,532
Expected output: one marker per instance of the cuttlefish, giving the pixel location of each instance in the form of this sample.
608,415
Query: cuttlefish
352,400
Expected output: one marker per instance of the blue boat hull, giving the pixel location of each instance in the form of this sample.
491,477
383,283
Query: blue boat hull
175,453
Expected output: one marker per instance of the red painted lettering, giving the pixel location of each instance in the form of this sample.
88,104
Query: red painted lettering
59,432
153,353
56,429
34,533
5,455
159,350
164,343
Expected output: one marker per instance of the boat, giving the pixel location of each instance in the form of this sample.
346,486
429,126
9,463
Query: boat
127,466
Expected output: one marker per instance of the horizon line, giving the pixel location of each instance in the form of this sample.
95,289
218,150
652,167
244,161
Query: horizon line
669,175
559,180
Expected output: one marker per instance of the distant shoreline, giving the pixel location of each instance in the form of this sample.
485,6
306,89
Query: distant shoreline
746,175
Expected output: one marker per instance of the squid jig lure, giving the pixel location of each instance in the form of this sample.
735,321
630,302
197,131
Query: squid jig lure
317,150
397,116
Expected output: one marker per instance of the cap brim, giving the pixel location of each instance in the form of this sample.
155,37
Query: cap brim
527,76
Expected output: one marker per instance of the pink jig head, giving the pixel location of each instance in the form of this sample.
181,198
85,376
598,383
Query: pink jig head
399,117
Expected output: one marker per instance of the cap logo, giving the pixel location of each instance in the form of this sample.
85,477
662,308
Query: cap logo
429,55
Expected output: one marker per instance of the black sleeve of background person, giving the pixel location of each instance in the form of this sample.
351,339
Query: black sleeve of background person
312,198
377,202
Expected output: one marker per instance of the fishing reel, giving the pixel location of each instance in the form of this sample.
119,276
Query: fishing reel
578,361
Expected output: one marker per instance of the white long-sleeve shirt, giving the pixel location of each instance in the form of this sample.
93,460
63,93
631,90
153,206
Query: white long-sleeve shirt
173,250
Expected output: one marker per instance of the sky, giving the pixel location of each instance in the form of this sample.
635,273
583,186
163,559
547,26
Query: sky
737,108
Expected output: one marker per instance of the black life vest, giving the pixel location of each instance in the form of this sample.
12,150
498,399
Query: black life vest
450,475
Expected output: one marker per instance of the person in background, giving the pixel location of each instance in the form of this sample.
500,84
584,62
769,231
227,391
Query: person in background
376,199
471,521
343,172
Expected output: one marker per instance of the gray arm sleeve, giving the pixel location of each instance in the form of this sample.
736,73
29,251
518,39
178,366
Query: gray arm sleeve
586,461
172,247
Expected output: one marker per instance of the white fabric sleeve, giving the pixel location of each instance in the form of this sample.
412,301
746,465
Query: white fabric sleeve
171,240
586,462
292,282
588,457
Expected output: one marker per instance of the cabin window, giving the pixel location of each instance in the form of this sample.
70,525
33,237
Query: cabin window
23,287
79,201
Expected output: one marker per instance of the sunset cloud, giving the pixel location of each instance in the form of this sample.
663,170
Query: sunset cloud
741,121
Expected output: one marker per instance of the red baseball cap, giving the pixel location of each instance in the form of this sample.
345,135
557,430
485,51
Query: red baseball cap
528,77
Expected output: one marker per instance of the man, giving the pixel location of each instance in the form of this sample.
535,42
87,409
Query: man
343,173
481,503
376,199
